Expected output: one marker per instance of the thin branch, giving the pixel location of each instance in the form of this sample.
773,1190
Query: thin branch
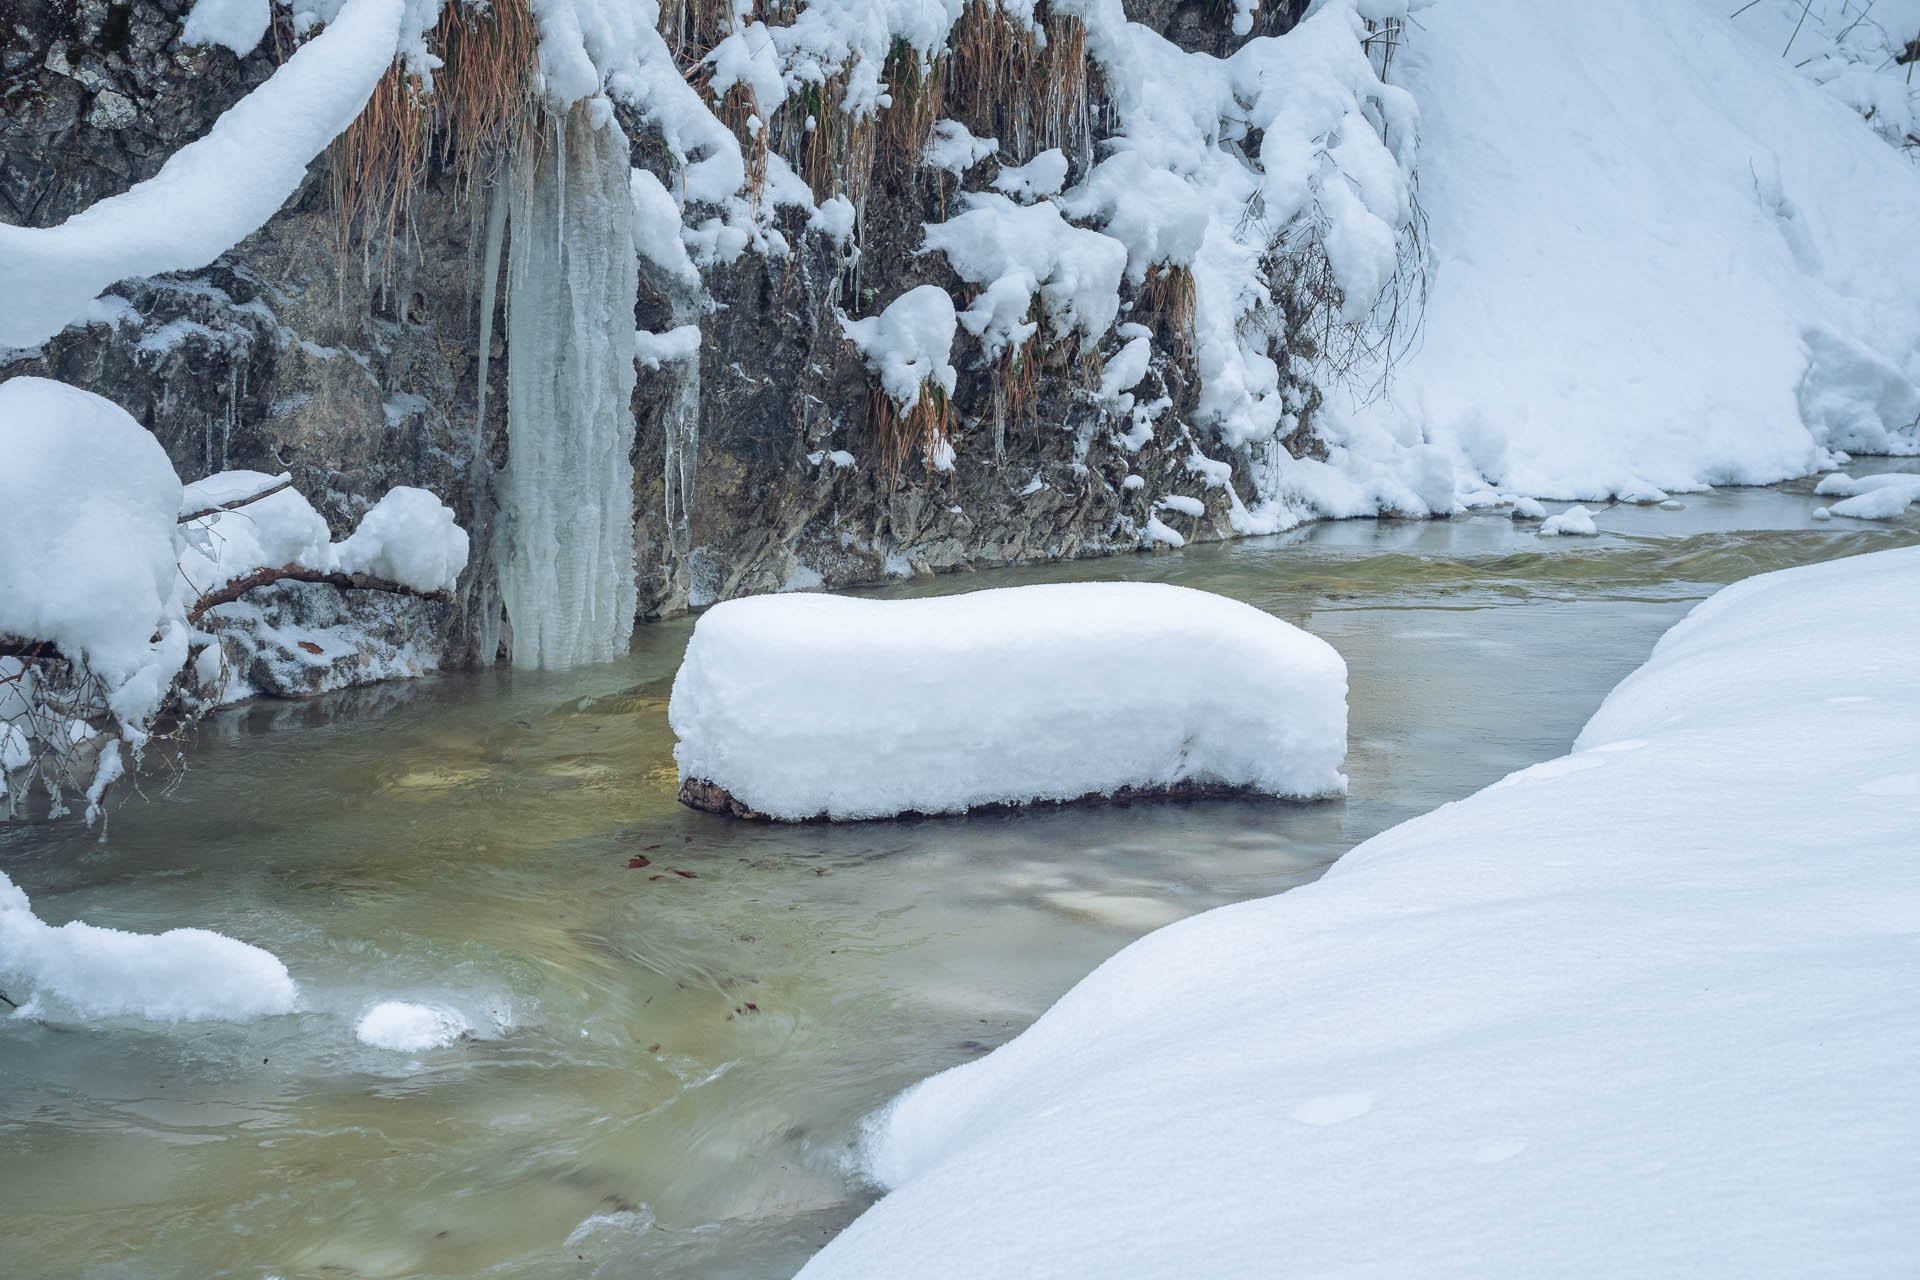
14,647
1805,10
296,573
286,483
1848,29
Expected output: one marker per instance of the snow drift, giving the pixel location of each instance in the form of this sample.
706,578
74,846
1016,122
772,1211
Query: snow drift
182,975
803,706
1645,1009
1659,257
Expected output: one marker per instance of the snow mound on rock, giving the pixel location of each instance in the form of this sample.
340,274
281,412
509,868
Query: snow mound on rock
804,706
1615,1015
89,540
1574,522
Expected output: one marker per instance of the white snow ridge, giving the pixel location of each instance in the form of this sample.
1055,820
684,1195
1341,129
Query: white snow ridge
1644,1010
802,706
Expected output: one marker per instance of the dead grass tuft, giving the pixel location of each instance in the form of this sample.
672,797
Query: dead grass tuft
919,93
920,430
1027,87
1170,301
481,106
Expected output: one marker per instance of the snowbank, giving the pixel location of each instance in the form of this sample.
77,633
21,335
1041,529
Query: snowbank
107,557
83,971
810,705
211,194
1646,1009
1658,257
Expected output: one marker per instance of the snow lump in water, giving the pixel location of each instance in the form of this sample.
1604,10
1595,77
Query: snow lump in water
808,706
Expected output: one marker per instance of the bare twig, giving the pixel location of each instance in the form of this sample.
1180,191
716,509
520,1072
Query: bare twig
285,483
1804,11
14,647
1848,29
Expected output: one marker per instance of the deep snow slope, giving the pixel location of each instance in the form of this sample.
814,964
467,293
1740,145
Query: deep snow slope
1646,1009
1645,228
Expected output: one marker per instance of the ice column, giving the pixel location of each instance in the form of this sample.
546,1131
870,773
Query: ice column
567,533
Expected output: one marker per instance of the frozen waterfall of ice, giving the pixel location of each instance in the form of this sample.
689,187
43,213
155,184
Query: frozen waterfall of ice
567,550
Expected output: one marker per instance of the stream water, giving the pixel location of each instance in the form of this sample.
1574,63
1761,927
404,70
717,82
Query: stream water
672,1061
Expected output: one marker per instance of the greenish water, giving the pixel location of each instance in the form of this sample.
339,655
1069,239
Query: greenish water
671,1068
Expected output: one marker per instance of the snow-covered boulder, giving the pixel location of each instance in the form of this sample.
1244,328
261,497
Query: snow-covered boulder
89,540
108,563
806,706
1647,1009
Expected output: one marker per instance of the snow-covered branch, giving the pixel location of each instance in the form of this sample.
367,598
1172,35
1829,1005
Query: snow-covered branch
296,573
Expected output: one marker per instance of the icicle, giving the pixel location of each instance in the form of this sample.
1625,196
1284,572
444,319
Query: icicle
566,537
489,283
481,597
681,422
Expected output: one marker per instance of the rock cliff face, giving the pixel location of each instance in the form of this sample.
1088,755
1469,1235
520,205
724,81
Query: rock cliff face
357,364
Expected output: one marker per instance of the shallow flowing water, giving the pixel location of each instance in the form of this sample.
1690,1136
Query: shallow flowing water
672,1061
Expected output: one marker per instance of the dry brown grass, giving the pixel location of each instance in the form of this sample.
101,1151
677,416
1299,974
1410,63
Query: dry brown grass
919,93
920,430
739,110
1170,301
481,105
482,98
1017,384
836,155
378,163
1007,83
692,27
